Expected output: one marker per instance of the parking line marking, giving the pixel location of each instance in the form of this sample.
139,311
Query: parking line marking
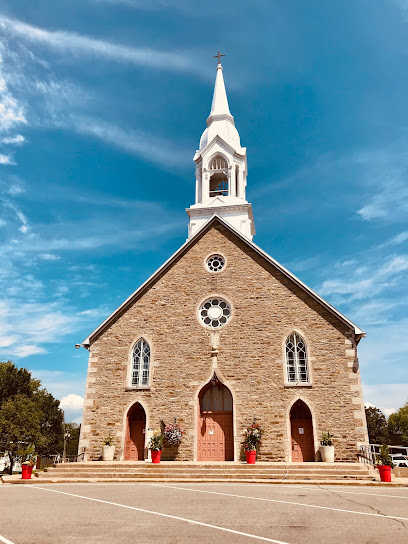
383,516
2,539
308,487
192,521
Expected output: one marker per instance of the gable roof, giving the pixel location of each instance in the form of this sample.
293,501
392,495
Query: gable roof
191,241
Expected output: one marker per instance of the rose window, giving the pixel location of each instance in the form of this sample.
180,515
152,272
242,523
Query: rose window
215,263
215,312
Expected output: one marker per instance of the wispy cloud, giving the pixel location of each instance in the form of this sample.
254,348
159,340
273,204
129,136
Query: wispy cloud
6,159
78,44
11,112
366,279
389,204
13,140
135,142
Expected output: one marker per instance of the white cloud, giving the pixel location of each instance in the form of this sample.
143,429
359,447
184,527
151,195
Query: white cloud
83,45
72,405
72,402
135,142
367,279
11,113
49,257
391,203
18,139
27,350
6,159
388,397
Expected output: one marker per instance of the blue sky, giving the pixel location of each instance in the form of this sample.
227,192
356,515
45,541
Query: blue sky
102,104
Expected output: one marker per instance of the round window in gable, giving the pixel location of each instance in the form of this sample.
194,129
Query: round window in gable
214,313
215,263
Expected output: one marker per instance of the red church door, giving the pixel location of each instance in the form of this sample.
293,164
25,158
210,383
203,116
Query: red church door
301,433
215,423
135,434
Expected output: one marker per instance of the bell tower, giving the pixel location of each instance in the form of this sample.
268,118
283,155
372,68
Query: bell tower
221,169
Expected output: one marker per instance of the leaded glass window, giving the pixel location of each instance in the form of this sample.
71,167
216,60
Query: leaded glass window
296,360
141,364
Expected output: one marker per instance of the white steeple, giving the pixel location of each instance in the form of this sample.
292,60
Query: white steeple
221,169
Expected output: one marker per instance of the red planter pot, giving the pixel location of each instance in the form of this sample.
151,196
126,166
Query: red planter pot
156,456
385,472
26,471
250,457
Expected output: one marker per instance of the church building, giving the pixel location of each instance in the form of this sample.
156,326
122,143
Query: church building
222,335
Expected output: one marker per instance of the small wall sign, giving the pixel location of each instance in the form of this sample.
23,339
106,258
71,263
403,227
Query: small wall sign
301,430
210,432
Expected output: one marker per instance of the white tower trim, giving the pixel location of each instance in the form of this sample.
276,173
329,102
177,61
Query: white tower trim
221,170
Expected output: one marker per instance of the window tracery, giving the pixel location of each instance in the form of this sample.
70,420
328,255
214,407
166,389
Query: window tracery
140,364
296,360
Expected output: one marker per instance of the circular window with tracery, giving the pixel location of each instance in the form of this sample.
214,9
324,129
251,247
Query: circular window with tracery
215,263
214,313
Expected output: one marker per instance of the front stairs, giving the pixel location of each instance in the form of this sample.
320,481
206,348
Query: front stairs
196,472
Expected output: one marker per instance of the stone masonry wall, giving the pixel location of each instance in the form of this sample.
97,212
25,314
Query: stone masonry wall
266,308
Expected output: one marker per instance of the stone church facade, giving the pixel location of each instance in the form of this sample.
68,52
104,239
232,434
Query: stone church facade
221,335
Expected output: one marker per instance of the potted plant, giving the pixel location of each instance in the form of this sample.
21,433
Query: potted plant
252,440
156,445
384,463
28,463
173,433
108,449
327,448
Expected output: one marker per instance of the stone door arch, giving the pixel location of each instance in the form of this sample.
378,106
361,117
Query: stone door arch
135,433
215,435
301,430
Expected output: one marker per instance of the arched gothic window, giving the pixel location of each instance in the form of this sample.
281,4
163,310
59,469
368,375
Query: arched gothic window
296,360
219,176
141,364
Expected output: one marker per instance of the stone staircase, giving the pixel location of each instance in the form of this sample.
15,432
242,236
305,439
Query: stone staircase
195,472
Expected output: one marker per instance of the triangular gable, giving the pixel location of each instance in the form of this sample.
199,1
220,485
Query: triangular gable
191,241
223,143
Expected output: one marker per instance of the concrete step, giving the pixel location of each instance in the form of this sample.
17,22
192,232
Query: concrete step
177,470
353,482
260,477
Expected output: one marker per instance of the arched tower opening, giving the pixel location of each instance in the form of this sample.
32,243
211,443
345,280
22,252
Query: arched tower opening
218,168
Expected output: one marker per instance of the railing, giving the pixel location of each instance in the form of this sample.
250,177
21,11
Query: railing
367,452
71,458
366,455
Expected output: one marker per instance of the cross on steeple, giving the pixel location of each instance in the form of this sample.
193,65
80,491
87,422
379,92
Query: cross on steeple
218,56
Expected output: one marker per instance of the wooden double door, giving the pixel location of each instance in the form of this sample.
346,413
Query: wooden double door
135,434
215,436
301,428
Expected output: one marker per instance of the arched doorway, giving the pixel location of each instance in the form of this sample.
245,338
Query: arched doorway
215,423
301,429
135,433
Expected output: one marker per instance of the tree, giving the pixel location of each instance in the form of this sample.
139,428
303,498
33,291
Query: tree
72,431
398,424
377,426
29,415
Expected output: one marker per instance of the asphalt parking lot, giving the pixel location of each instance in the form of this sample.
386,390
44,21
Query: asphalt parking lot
201,513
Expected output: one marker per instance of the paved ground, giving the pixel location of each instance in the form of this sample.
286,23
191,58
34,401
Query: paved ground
201,513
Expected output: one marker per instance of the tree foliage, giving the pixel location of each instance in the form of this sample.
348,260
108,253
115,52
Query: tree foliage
72,431
377,426
398,424
29,415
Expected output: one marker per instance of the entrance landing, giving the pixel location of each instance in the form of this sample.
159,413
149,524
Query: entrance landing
192,472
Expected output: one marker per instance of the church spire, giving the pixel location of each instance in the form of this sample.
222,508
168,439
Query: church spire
221,169
219,106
